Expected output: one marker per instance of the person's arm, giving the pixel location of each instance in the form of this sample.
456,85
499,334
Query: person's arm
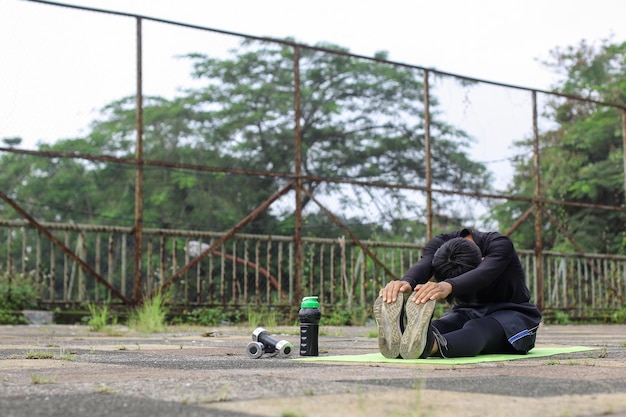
422,271
419,273
498,252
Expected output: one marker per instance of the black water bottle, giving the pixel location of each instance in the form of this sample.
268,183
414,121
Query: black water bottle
310,316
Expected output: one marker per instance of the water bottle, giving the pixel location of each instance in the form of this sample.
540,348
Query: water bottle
309,326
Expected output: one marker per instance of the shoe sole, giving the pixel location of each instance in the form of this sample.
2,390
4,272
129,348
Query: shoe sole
415,335
388,320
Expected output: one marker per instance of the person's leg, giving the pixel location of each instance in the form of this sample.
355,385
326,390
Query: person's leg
482,335
389,320
451,321
414,341
422,336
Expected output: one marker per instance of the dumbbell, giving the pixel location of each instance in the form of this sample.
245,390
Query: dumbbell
255,349
262,342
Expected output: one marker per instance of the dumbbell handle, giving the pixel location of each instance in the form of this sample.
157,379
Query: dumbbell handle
283,347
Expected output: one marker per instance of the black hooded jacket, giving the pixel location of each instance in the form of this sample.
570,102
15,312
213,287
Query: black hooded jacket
499,278
495,288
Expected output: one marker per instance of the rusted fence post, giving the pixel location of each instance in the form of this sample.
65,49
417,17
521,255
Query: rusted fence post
624,149
427,157
297,233
138,230
538,210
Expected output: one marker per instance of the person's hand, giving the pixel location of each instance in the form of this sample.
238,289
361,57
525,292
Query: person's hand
390,292
431,291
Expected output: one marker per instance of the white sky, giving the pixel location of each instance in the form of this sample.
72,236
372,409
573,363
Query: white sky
490,39
59,66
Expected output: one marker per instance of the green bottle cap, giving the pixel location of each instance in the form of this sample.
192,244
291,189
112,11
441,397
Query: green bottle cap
310,302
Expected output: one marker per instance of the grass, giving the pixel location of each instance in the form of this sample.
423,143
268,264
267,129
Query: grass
150,316
101,320
66,356
265,318
221,396
38,354
99,316
104,389
43,379
561,317
291,414
46,354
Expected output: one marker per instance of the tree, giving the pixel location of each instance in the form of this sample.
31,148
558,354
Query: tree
360,120
84,191
176,197
582,156
16,141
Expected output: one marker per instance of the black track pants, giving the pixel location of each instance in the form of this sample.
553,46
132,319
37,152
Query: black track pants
481,335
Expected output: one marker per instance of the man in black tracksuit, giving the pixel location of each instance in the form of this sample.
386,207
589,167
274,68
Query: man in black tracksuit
491,312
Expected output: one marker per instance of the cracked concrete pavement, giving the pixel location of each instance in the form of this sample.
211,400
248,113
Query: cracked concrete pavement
197,371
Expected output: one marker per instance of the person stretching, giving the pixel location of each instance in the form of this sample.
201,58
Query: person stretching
480,274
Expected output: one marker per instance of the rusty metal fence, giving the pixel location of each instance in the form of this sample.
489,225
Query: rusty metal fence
70,263
258,270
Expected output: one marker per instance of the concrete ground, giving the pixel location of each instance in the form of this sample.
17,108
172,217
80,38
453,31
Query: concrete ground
55,370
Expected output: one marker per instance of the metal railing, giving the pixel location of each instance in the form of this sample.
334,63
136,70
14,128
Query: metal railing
258,270
79,263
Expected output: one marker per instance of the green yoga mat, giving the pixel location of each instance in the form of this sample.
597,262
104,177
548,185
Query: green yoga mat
537,352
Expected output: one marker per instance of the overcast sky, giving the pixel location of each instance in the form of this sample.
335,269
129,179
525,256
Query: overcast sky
58,67
491,39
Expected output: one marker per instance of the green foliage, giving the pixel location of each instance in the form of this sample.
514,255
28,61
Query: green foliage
619,316
43,379
11,317
262,317
360,120
14,141
15,295
206,316
38,354
341,315
100,317
561,317
581,156
150,316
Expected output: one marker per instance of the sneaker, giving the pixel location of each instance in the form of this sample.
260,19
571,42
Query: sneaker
414,340
388,319
442,343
